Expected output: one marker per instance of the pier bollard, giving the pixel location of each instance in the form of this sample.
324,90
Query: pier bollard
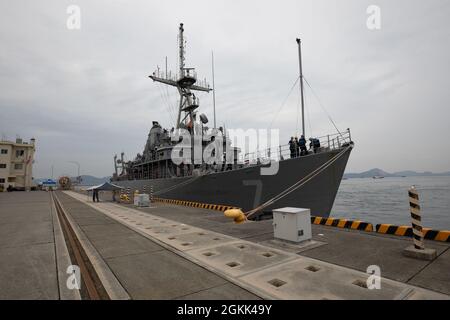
151,193
145,189
417,250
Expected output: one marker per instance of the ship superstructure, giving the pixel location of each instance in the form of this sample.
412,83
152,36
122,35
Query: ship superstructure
308,180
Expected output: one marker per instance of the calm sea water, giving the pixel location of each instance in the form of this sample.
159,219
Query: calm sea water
386,200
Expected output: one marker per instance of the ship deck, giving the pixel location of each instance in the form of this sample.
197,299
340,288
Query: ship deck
147,253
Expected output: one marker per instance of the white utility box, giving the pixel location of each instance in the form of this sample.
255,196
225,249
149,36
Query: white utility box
292,224
141,200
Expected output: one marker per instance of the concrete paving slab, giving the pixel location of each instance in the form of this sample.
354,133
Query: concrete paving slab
28,266
196,240
306,278
292,247
226,291
28,272
240,257
105,230
359,250
20,234
435,275
163,232
93,221
122,245
161,275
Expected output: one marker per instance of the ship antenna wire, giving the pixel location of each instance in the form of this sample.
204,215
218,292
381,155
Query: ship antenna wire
284,102
322,106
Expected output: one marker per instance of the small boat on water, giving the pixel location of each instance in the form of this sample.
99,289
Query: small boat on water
377,177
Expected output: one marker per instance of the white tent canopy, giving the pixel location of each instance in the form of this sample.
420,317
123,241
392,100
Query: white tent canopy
105,187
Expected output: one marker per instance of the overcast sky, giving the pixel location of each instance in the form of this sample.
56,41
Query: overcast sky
85,95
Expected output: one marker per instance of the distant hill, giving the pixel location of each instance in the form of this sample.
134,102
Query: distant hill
85,180
368,174
406,173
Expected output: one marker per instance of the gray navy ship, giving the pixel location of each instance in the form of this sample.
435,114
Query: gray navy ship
303,179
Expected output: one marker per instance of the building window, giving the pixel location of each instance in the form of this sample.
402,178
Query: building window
20,153
4,151
11,179
18,166
2,180
2,165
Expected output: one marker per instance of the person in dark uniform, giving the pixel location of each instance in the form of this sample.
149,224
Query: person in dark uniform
292,147
315,144
95,195
302,145
297,148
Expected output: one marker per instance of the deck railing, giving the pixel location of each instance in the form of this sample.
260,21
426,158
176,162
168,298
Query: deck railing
327,143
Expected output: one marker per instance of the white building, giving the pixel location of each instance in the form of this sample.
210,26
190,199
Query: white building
16,164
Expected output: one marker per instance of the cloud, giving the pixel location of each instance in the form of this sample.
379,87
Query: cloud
85,94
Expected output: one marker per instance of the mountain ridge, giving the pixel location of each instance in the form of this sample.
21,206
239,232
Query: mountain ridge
404,173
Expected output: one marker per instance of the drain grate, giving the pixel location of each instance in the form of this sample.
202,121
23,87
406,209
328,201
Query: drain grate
268,254
216,239
148,227
184,228
241,246
312,268
360,283
208,254
185,244
233,264
201,233
277,282
171,238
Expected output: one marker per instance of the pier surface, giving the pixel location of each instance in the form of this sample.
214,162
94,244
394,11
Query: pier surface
174,252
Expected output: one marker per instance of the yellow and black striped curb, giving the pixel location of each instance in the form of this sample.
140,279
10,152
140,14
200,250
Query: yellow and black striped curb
217,207
430,234
343,223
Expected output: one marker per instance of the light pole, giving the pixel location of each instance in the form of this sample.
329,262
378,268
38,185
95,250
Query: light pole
78,165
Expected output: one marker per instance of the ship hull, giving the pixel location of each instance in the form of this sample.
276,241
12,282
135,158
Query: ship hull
246,188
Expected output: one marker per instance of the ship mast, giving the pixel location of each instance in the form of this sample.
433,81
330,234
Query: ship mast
301,83
186,82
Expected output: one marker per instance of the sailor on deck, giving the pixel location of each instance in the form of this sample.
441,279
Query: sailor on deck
302,145
314,144
292,147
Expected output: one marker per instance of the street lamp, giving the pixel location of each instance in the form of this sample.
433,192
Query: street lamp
78,165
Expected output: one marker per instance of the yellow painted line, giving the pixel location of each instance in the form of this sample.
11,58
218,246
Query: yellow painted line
369,227
329,221
317,220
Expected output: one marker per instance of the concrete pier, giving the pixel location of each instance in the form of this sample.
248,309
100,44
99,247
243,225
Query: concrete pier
33,255
174,252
